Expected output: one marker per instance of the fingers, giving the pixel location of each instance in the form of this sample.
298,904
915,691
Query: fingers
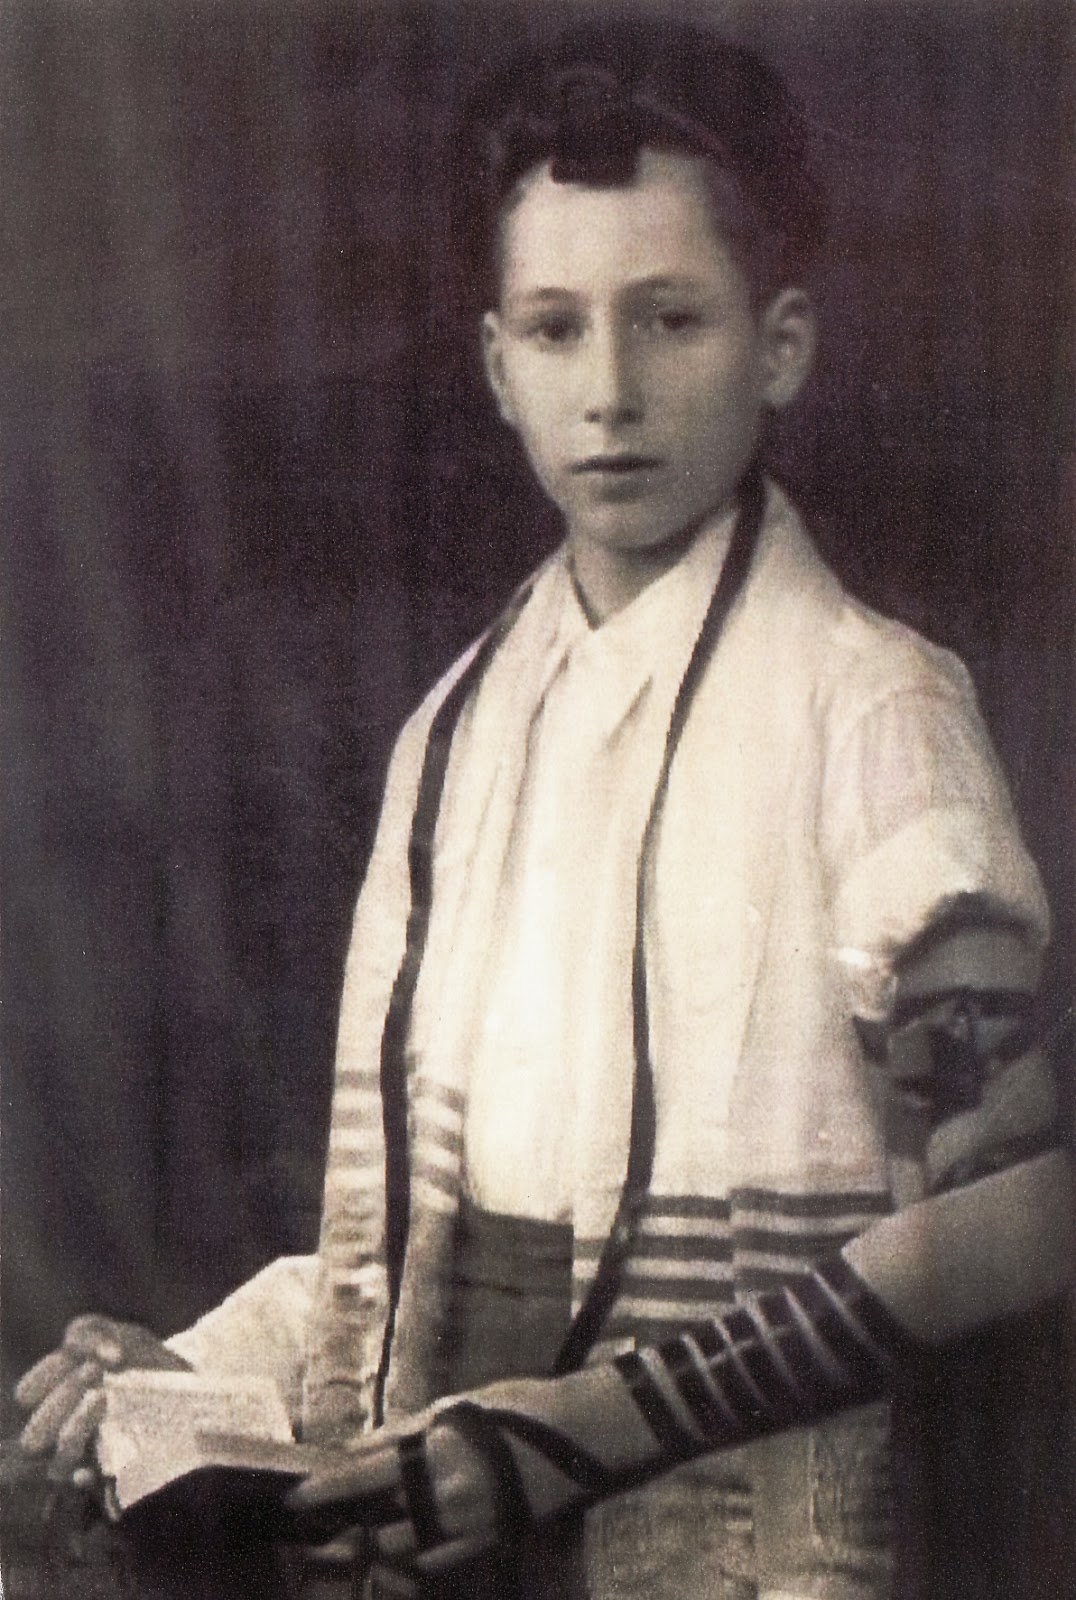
63,1391
73,1439
89,1338
119,1344
390,1582
43,1429
41,1379
346,1546
396,1545
362,1491
449,1555
371,1474
396,1541
99,1339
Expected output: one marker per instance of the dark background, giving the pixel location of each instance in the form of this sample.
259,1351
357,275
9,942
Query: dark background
254,499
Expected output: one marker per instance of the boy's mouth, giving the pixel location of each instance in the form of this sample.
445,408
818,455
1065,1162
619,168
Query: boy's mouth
617,465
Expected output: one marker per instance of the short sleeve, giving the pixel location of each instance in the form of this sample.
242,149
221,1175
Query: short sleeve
917,816
259,1330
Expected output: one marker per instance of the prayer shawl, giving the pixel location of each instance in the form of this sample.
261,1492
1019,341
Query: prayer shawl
772,915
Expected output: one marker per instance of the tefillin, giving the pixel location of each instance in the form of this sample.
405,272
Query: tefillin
597,134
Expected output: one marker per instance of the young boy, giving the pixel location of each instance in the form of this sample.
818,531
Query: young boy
685,837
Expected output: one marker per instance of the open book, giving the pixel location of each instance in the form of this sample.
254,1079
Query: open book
216,1448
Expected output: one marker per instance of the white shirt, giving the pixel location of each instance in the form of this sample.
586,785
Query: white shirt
518,1146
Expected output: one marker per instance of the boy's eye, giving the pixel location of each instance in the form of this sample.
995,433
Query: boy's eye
676,319
553,329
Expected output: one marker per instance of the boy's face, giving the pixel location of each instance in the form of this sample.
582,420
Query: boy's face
626,353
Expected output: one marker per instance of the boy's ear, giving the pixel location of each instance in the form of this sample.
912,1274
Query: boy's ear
493,361
789,335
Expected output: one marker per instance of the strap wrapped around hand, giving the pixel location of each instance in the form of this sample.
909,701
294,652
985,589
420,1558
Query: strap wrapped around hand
417,1487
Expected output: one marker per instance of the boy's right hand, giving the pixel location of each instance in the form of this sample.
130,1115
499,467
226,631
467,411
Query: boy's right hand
65,1392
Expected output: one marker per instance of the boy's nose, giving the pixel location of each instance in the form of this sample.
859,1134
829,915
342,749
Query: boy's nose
612,392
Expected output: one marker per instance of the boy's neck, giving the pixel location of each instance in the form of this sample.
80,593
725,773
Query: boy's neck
606,580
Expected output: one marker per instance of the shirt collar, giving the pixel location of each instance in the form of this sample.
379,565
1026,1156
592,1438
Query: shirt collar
649,641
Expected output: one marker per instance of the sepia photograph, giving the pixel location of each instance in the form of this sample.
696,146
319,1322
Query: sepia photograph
537,850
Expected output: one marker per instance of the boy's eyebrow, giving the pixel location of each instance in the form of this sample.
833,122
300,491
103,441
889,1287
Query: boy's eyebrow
667,280
540,296
676,282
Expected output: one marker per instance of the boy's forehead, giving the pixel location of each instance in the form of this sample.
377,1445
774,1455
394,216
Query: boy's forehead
660,224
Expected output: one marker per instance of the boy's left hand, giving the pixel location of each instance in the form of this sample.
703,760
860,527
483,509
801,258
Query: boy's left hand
445,1485
365,1491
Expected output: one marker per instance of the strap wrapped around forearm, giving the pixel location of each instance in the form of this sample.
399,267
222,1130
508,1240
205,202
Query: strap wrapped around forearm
780,1360
786,1358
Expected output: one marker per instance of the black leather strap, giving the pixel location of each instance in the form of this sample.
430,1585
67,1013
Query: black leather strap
717,1342
676,1440
482,1429
864,1316
491,1428
398,1017
605,1286
713,1415
418,1492
563,1452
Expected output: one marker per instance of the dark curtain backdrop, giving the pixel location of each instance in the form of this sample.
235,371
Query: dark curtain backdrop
254,500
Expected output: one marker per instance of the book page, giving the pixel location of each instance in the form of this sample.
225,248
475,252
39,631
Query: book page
150,1433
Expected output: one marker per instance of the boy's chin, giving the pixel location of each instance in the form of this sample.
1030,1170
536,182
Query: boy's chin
631,539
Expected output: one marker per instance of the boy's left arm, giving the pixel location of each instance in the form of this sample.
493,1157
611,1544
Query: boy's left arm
473,1471
993,1238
